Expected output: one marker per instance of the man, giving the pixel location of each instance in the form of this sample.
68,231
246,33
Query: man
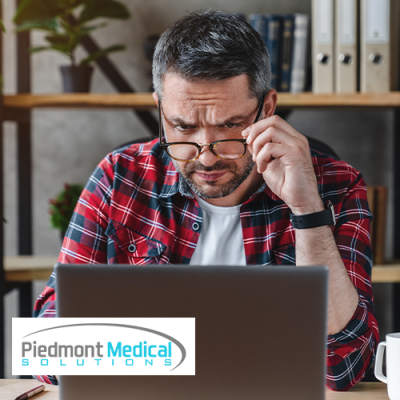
223,182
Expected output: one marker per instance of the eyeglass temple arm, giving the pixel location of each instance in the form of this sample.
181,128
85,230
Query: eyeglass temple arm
261,106
160,123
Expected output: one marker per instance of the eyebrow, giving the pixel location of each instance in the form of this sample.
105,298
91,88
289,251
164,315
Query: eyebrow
235,118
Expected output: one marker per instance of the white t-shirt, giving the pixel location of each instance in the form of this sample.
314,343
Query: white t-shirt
221,237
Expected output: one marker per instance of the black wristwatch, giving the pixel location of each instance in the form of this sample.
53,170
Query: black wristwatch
322,218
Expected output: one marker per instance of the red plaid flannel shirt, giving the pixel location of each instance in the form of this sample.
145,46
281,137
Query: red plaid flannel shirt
136,209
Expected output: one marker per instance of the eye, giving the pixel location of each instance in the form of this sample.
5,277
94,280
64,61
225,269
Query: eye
231,125
183,127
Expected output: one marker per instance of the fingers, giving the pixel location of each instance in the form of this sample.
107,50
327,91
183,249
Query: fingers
272,135
274,122
268,153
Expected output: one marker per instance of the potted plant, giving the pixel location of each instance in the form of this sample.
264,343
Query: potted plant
63,205
66,22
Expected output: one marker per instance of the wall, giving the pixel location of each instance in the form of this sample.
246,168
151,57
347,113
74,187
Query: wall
67,145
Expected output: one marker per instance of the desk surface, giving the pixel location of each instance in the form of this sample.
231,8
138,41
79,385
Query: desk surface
30,268
11,388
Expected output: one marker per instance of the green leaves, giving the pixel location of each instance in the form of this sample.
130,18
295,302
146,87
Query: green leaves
102,53
37,10
46,25
54,16
103,9
59,39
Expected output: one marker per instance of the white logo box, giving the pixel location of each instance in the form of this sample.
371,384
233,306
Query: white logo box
103,346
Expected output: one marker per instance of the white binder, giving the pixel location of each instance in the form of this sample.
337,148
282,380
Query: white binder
322,46
379,45
346,59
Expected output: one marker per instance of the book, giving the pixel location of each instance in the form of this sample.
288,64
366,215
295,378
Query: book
259,23
287,52
274,38
381,202
300,52
377,197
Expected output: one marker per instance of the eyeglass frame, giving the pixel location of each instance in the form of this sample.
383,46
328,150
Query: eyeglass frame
201,145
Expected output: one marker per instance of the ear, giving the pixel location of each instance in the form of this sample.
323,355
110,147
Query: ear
270,103
155,97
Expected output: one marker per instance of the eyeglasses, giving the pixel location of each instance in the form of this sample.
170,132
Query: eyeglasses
227,149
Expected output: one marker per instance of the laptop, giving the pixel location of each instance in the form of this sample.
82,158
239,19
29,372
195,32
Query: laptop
260,330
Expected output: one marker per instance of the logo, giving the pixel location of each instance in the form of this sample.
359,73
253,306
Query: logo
103,346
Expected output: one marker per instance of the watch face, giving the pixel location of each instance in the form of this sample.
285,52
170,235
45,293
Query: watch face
330,206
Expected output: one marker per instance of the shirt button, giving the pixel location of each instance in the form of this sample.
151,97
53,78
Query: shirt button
195,226
131,248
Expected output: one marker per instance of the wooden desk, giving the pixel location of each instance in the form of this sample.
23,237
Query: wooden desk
30,268
11,388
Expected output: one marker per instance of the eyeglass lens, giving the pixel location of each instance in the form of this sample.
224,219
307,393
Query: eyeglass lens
227,150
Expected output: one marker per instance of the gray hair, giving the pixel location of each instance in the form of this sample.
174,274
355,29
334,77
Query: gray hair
213,46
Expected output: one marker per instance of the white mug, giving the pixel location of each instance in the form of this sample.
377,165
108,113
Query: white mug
392,379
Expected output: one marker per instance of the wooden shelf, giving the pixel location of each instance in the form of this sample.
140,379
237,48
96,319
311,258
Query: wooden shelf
145,100
29,268
80,100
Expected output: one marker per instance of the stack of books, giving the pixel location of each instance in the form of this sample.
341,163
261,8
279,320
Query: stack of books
355,45
286,38
378,204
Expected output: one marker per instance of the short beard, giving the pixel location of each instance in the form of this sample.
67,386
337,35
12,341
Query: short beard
214,191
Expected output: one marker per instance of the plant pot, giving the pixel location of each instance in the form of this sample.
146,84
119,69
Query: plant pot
76,79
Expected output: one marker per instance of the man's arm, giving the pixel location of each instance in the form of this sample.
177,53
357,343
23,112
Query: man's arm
85,240
317,246
283,158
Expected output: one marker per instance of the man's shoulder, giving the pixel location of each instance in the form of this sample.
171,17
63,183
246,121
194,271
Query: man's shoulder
138,150
325,164
336,178
138,156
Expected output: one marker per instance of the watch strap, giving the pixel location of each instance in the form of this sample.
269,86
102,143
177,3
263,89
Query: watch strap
307,221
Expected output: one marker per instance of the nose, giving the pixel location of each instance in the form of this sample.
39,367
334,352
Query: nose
206,135
207,157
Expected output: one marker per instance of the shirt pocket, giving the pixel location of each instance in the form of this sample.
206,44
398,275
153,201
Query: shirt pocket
286,254
137,248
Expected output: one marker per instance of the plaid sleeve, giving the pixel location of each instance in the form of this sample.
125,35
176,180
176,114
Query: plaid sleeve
351,351
84,241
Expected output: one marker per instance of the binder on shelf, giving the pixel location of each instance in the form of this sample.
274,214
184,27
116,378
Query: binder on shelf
300,53
346,60
379,45
322,46
287,52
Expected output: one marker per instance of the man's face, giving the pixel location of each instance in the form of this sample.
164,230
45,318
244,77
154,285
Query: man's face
203,112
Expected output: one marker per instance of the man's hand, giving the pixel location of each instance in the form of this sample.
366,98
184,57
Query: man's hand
282,156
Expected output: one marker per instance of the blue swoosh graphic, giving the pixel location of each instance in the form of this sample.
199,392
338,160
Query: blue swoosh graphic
139,328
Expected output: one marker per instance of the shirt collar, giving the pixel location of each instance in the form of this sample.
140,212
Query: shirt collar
174,182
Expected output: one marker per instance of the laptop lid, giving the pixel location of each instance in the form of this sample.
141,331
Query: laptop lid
260,331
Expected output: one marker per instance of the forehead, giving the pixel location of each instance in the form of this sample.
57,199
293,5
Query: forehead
230,92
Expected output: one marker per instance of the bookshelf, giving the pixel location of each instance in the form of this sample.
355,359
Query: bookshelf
145,100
